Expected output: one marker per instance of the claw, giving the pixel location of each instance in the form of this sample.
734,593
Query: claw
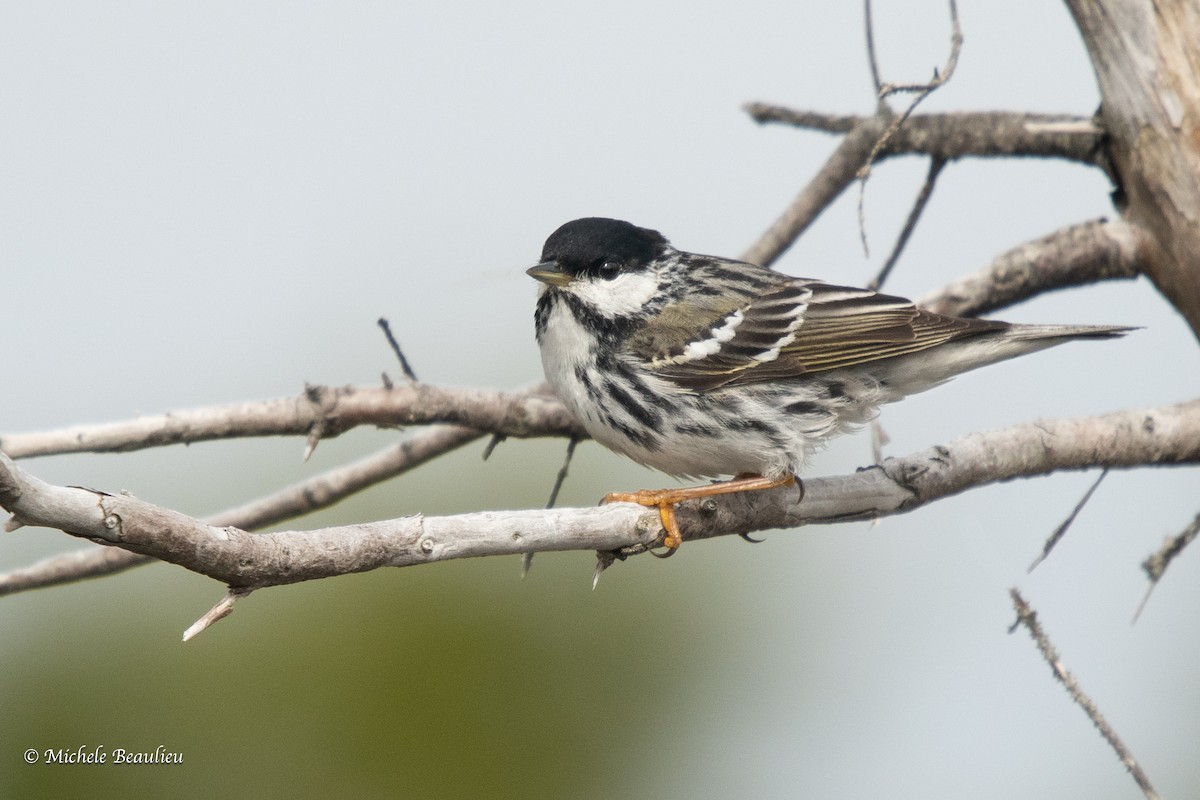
747,537
666,512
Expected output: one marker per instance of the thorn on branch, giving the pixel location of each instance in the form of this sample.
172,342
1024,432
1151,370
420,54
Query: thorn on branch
940,77
604,560
220,611
324,400
1027,617
1156,564
405,367
1061,530
312,440
316,396
496,439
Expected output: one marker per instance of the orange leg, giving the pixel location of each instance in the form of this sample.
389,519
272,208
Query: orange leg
667,499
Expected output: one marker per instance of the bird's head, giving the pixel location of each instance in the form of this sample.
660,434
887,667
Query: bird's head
613,268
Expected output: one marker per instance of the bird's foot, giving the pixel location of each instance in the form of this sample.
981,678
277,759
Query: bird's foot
666,500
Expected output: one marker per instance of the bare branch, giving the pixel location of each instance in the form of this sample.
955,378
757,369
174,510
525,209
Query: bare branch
78,565
1144,55
521,414
559,480
939,77
1166,435
1028,617
1076,255
1061,531
405,367
943,136
1156,565
764,113
317,492
963,134
872,58
322,491
922,91
832,179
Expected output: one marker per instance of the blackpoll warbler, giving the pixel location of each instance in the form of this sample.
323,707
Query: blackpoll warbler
705,366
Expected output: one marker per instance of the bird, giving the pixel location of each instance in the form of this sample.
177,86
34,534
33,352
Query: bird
707,367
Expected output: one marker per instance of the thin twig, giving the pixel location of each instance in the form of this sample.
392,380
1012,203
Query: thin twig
765,113
939,77
831,180
519,413
1158,562
872,58
1027,617
527,558
562,472
914,216
405,367
1061,530
921,90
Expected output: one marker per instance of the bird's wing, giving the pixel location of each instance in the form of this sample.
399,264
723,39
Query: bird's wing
802,326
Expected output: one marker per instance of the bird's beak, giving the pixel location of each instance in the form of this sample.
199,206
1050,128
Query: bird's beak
549,273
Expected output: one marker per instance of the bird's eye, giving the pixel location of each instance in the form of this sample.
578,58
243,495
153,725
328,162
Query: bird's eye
609,269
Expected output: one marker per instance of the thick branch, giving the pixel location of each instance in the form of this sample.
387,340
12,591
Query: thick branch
1168,435
319,491
1146,63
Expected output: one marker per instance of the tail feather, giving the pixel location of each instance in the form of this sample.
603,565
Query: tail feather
920,371
1067,332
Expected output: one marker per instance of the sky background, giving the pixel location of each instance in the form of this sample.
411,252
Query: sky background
206,203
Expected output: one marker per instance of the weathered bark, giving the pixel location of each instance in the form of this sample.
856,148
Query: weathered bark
1148,66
